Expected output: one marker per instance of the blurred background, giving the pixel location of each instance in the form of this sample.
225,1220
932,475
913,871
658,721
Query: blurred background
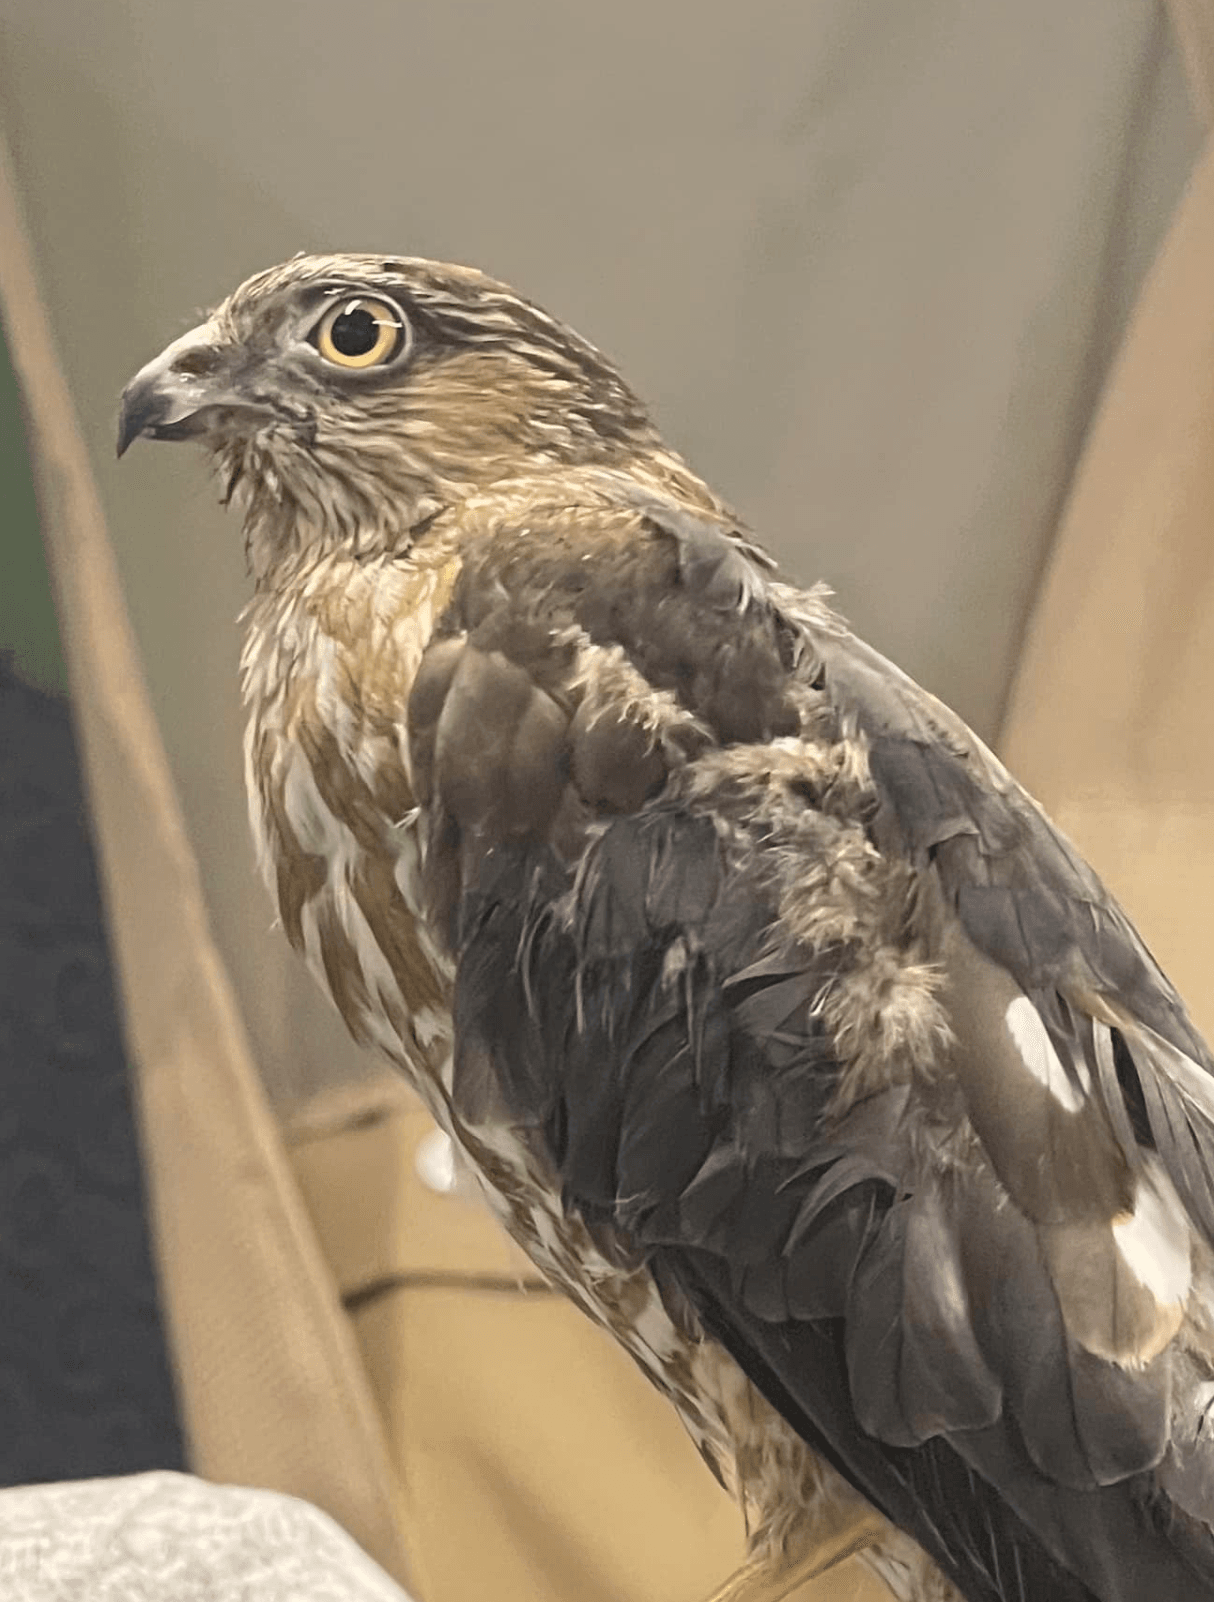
871,264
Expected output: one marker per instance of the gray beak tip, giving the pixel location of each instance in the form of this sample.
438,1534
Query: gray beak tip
142,407
169,398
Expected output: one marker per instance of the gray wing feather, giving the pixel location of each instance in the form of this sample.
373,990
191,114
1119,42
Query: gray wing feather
1029,902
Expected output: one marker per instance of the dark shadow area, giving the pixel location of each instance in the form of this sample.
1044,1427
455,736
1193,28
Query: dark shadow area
85,1387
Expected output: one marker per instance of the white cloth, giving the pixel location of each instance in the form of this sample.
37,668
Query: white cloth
171,1538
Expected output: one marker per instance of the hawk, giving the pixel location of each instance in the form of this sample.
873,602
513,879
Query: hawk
782,1029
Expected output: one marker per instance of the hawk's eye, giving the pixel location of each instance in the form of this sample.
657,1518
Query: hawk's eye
360,332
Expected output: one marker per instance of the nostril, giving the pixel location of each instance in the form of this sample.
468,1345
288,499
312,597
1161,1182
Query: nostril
198,363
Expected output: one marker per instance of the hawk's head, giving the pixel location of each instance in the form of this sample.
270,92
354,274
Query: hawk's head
350,398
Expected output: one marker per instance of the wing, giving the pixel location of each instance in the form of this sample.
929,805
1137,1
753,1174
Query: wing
799,994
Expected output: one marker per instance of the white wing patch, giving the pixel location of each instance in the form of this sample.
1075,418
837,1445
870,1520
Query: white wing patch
1037,1051
1187,1075
1155,1241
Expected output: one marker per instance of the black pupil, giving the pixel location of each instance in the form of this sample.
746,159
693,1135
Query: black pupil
355,332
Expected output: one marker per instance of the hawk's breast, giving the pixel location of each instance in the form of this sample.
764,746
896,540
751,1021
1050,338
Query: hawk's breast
327,667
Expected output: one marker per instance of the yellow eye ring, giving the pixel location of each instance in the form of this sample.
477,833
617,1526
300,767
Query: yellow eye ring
360,332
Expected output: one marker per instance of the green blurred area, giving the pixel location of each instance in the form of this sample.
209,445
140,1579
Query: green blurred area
28,626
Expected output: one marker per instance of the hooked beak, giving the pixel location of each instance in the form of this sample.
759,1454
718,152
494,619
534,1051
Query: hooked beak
177,394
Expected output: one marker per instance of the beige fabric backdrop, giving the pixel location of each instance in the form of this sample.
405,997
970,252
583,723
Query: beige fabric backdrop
1124,760
874,288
